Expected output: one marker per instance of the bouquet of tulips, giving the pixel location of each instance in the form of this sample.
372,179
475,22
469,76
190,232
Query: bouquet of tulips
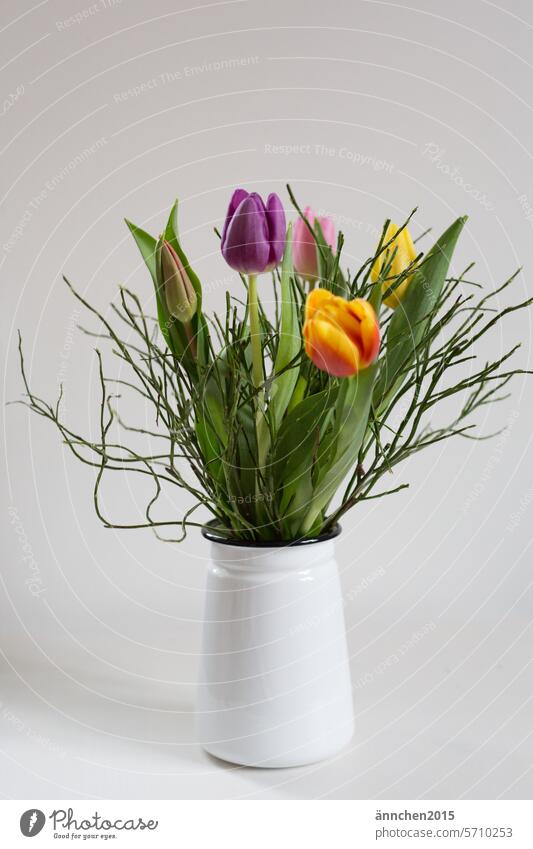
277,421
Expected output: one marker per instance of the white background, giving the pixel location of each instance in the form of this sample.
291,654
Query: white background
98,670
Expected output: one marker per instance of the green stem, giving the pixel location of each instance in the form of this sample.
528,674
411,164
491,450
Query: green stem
257,375
190,338
255,332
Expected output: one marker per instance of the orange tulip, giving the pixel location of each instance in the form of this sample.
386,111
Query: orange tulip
341,337
405,254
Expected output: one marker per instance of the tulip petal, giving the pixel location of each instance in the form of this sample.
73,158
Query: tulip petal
316,299
408,325
275,216
328,230
236,199
245,246
404,254
338,312
179,292
304,245
341,337
330,349
384,256
368,331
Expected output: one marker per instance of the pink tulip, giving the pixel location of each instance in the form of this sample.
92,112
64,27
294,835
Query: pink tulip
304,246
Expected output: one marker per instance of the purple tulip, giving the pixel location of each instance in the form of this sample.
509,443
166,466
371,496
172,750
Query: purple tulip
253,237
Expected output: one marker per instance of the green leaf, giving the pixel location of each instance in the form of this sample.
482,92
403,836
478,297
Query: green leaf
296,497
240,463
293,448
411,318
351,418
329,272
298,394
210,447
290,342
325,454
284,376
294,457
213,403
171,328
199,325
376,296
171,235
148,246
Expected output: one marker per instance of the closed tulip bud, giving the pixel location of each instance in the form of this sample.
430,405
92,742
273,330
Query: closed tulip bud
341,337
253,237
179,291
304,246
404,256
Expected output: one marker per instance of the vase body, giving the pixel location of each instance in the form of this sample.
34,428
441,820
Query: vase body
274,687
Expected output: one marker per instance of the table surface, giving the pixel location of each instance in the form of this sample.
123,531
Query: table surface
427,726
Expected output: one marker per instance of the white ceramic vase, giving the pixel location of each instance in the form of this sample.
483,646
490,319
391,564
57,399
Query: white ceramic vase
274,686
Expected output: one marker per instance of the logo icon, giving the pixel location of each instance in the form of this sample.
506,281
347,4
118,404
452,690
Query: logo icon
32,822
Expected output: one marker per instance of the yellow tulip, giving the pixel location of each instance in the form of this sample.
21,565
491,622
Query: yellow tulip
341,337
404,256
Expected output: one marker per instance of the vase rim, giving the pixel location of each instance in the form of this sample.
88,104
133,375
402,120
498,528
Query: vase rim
209,531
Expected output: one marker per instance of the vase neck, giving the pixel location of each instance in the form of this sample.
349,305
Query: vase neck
272,560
